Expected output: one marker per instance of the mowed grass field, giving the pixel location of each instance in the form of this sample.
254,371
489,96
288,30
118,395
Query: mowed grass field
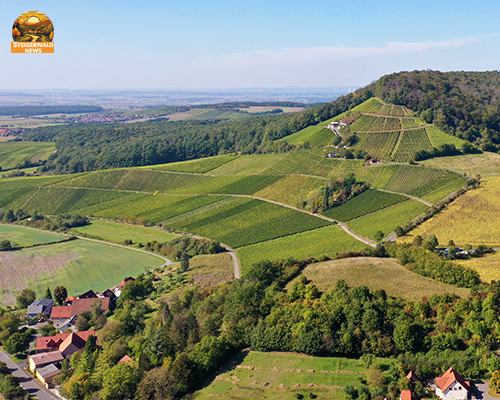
79,265
258,375
485,164
473,218
25,237
377,273
119,232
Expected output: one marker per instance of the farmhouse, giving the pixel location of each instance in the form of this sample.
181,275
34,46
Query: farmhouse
77,307
452,386
40,306
36,361
52,343
47,373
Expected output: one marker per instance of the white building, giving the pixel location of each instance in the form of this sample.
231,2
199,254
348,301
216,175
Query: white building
452,386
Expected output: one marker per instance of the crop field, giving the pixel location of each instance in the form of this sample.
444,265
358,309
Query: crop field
438,137
368,123
485,164
378,145
13,153
291,189
199,166
272,375
410,142
248,165
407,178
78,265
388,219
247,221
13,199
314,135
473,218
408,123
392,124
119,232
28,237
371,106
377,273
330,240
487,266
367,202
445,190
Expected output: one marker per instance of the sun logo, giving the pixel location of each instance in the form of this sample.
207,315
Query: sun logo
32,32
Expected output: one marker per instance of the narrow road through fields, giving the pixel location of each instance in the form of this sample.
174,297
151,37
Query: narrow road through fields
28,383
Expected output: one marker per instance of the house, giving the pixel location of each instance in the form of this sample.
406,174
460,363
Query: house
72,344
412,377
77,307
88,295
36,361
122,283
46,374
41,306
126,359
452,386
69,323
53,343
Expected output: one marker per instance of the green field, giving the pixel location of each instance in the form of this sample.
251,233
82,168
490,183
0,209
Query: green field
377,273
199,166
13,153
330,241
367,202
409,143
388,219
247,221
314,135
79,265
484,164
117,232
378,145
258,375
26,237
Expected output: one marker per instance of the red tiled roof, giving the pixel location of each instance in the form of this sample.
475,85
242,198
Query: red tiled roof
412,375
406,394
127,279
69,299
125,359
62,312
72,339
450,376
81,305
42,343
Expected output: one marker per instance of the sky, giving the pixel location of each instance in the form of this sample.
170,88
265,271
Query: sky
212,44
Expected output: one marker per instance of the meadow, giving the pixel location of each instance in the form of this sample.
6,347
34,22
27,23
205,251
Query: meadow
377,273
473,218
119,232
258,375
314,135
330,241
484,164
487,266
79,265
26,237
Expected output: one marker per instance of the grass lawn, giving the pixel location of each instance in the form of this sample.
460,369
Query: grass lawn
79,265
119,232
258,375
473,218
28,237
377,273
330,241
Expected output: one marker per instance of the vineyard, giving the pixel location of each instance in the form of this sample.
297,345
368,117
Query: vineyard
330,240
199,166
14,153
365,203
387,219
378,145
410,142
314,135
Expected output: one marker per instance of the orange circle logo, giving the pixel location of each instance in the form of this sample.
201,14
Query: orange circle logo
33,26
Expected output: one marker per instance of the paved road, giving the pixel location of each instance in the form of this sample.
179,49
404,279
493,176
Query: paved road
30,384
481,391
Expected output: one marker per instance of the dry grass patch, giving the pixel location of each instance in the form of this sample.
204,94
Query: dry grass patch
212,269
485,164
377,273
473,218
487,266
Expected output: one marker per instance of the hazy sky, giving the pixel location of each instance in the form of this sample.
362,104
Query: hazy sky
192,44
